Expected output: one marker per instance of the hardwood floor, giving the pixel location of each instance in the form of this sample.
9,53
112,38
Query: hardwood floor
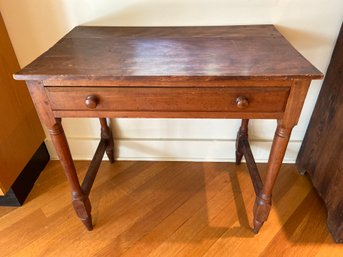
167,209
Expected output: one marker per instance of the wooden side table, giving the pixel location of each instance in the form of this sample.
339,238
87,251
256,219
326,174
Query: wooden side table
246,72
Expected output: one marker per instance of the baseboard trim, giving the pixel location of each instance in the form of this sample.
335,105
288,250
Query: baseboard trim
174,149
22,186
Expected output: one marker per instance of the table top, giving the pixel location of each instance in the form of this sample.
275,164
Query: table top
171,53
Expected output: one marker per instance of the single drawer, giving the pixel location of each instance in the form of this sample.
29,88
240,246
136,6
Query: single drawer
233,99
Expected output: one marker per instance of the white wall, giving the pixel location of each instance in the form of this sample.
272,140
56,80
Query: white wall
310,25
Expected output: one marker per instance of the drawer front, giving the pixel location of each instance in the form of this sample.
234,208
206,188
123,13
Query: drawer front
266,100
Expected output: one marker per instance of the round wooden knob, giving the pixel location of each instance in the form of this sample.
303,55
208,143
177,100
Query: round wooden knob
242,102
91,101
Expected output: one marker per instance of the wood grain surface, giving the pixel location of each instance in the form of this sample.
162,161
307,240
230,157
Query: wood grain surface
168,209
321,153
21,133
171,53
170,99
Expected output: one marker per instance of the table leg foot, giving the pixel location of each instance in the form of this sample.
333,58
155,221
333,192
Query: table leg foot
261,212
106,133
239,157
88,223
257,226
110,154
302,172
242,133
82,207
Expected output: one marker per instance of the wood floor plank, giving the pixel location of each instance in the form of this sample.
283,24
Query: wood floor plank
198,203
329,249
232,244
230,219
300,228
202,219
13,239
179,193
167,209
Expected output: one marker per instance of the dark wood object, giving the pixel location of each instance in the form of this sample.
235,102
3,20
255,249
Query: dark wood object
171,72
22,186
321,153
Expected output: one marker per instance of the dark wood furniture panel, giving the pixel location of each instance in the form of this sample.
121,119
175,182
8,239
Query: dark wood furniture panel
23,184
321,153
178,72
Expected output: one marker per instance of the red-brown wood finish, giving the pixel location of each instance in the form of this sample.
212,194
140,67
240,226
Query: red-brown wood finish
171,72
80,201
106,134
170,99
170,54
242,132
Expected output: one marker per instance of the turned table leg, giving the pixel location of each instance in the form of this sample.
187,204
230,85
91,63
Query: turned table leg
106,134
242,133
263,199
80,201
